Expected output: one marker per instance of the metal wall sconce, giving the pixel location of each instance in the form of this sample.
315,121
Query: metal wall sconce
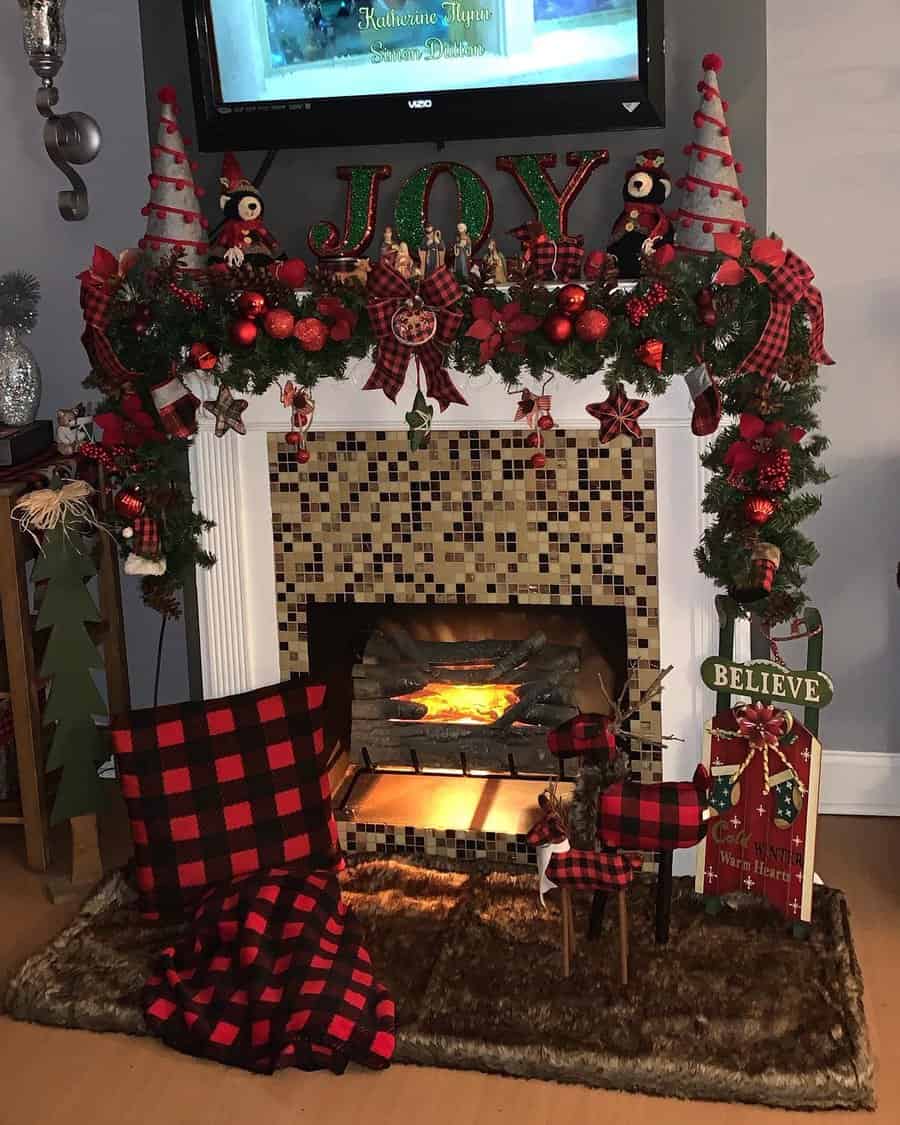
70,138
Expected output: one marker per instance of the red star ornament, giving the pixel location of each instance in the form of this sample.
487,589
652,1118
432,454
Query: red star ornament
618,414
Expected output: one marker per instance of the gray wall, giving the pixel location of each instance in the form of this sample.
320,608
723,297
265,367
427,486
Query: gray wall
302,186
103,74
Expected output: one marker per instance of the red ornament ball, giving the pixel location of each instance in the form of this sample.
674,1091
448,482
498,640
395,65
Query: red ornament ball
128,503
311,333
571,299
139,326
704,299
708,317
243,333
534,440
591,327
558,328
291,272
279,324
538,461
294,437
302,456
203,357
758,510
545,422
251,304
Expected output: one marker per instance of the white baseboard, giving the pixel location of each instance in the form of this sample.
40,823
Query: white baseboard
860,784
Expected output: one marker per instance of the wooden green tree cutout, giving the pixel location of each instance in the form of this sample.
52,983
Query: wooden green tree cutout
77,747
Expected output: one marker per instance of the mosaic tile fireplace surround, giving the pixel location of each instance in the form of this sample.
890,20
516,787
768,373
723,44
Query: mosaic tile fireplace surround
600,540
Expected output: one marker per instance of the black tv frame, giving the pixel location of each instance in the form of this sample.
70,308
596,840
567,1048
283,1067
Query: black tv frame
589,107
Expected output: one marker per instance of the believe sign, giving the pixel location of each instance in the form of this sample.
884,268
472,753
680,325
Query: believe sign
764,679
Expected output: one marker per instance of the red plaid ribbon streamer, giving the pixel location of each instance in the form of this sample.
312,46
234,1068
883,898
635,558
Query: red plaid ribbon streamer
788,284
439,292
98,286
557,261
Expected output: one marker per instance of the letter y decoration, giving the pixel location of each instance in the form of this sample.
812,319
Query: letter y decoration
70,138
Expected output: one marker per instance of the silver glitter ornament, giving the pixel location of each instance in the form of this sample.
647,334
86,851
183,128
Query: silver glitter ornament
20,381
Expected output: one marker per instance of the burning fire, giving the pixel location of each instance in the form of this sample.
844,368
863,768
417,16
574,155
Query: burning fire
473,704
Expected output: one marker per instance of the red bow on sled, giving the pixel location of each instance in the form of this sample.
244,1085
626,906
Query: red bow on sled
439,294
98,287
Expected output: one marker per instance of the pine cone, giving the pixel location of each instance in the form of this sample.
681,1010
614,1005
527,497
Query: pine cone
162,598
797,368
780,607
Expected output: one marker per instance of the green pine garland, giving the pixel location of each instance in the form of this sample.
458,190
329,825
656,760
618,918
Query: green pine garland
150,329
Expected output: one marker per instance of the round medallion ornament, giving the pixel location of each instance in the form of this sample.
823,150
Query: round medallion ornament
413,324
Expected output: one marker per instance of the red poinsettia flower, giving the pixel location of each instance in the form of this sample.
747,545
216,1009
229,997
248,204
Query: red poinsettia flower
499,328
744,455
134,426
342,320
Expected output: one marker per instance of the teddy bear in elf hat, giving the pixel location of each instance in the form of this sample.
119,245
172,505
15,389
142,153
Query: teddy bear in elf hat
643,225
243,235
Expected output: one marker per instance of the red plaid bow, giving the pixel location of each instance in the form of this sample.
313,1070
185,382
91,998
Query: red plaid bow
788,284
387,292
98,287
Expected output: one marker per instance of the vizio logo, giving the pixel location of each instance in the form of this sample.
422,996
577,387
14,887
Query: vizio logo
419,103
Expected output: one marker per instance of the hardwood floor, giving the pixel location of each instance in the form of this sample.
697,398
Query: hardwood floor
51,1077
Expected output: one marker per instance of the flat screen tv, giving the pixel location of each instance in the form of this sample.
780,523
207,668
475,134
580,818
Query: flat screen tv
299,73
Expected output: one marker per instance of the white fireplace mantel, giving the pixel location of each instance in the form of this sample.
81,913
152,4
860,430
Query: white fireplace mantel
236,597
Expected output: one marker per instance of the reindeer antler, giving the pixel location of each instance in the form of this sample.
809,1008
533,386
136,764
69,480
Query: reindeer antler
620,716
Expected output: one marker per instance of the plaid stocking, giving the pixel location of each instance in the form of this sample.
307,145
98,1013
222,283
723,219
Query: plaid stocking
707,401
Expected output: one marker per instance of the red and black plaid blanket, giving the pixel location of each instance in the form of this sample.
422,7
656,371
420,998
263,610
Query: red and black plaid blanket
273,973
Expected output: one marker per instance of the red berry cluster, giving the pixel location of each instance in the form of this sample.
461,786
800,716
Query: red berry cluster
190,298
639,307
775,474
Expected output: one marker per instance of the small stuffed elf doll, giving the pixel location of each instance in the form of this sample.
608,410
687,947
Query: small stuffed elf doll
243,234
643,225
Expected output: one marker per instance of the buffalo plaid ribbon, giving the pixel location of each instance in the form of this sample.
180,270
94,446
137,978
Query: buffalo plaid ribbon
387,292
654,817
556,261
97,292
788,284
587,733
273,973
582,870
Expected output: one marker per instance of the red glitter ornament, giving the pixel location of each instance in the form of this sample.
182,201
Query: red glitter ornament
203,357
538,461
534,440
545,422
311,333
128,503
592,326
650,353
243,333
758,510
294,437
558,328
571,299
279,324
291,272
775,475
302,455
251,304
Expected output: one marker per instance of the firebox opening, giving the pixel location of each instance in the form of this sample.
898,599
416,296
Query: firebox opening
461,688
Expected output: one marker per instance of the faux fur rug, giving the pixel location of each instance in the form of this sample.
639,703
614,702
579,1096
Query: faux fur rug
733,1009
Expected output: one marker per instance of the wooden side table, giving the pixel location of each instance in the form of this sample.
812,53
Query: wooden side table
15,612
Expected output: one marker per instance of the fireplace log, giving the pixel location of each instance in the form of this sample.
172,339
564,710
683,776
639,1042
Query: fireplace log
439,744
517,655
550,715
372,688
388,709
529,694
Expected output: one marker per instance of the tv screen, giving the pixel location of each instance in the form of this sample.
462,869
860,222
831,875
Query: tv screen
285,73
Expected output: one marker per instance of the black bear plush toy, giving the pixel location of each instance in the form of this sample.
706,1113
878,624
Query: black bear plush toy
643,225
243,235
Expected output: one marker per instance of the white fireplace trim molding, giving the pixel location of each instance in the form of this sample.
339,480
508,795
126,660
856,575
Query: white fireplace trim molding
236,597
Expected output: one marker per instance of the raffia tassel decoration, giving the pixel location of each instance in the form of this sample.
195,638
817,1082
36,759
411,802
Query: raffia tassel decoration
44,509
